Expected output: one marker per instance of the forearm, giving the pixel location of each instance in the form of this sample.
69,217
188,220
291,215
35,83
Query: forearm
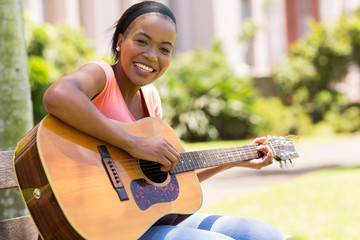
204,174
259,163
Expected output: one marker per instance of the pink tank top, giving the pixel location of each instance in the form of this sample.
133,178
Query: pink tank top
111,102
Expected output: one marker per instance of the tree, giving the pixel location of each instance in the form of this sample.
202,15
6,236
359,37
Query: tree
16,116
15,103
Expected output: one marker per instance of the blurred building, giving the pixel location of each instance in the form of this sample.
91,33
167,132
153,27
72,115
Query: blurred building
256,34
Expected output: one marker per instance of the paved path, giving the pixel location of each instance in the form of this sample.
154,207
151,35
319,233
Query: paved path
339,152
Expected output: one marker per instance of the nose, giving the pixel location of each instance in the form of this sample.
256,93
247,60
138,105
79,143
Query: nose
150,54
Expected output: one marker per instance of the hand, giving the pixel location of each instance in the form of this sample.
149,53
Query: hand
264,161
156,149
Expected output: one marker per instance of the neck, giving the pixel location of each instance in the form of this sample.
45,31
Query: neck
128,90
190,161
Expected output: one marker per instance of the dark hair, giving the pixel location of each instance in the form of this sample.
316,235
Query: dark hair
131,14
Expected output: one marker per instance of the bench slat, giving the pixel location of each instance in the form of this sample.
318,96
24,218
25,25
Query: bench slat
18,228
7,175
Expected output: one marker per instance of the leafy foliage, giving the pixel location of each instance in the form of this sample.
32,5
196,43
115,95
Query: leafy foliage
308,78
53,51
203,99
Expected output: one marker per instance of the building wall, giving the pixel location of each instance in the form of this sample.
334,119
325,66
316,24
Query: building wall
201,21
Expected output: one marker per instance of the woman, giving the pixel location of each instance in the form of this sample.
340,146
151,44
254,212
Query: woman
142,46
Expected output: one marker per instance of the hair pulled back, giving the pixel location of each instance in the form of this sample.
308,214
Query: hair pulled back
131,14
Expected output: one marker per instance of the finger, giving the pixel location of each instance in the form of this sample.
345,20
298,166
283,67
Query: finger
268,154
263,149
166,164
174,150
259,140
173,159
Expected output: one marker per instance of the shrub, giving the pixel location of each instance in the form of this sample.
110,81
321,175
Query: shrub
54,51
308,77
203,99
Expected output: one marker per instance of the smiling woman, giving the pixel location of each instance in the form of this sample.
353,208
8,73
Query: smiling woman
90,99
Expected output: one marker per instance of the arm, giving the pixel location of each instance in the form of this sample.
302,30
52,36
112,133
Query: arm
259,163
69,99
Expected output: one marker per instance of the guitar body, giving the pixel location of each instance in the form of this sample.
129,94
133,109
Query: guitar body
70,195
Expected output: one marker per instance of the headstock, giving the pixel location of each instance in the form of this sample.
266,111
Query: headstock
283,149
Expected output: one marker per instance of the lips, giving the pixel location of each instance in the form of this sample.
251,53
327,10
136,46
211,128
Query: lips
144,68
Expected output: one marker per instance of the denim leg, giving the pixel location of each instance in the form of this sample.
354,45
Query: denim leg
234,227
168,232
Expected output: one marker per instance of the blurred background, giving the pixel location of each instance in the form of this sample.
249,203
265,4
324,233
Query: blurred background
244,63
241,69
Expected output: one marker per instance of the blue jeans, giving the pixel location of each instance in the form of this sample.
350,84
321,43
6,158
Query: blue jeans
214,227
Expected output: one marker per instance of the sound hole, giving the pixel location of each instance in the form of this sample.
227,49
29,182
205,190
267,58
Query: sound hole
152,171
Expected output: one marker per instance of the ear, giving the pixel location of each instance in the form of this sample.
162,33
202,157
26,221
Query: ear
120,40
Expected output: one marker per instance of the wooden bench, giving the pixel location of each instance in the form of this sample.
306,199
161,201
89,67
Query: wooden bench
18,227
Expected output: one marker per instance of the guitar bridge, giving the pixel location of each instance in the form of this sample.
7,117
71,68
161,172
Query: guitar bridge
113,173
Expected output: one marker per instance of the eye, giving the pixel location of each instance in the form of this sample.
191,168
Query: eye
165,50
141,42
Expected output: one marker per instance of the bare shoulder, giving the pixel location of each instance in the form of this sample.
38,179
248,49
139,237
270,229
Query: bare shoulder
89,78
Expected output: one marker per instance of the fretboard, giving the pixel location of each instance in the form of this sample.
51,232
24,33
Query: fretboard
190,161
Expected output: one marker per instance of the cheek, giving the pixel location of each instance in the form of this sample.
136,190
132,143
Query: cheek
165,63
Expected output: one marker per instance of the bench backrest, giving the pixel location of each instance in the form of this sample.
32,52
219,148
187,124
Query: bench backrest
19,227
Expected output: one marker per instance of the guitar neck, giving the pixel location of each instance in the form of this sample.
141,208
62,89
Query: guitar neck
190,161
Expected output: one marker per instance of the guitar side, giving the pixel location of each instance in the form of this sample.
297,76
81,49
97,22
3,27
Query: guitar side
77,197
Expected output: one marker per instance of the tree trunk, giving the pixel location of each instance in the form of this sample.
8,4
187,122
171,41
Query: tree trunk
16,116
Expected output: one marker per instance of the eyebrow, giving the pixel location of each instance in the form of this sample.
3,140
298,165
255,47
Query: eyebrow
147,36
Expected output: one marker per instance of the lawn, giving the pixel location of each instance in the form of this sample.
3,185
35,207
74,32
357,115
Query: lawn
320,205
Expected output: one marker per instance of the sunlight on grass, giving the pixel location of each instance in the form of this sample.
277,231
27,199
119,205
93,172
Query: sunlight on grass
318,205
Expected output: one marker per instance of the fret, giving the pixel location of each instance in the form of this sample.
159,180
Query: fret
240,153
209,158
212,156
250,152
221,157
217,157
197,160
246,151
185,162
189,161
204,163
181,162
188,167
229,155
254,153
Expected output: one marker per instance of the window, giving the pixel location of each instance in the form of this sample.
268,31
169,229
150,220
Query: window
298,13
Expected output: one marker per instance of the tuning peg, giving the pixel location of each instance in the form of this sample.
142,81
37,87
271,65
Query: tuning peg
287,164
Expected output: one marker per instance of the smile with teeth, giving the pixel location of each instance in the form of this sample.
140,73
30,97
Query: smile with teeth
143,67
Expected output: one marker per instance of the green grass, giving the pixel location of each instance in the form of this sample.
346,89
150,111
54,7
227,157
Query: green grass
319,205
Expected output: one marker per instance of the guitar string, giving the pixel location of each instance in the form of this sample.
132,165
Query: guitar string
233,149
222,157
223,154
155,166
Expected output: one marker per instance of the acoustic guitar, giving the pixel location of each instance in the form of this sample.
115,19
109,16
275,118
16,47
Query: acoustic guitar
78,187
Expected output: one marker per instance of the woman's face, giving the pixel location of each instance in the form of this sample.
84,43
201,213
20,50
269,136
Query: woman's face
146,48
